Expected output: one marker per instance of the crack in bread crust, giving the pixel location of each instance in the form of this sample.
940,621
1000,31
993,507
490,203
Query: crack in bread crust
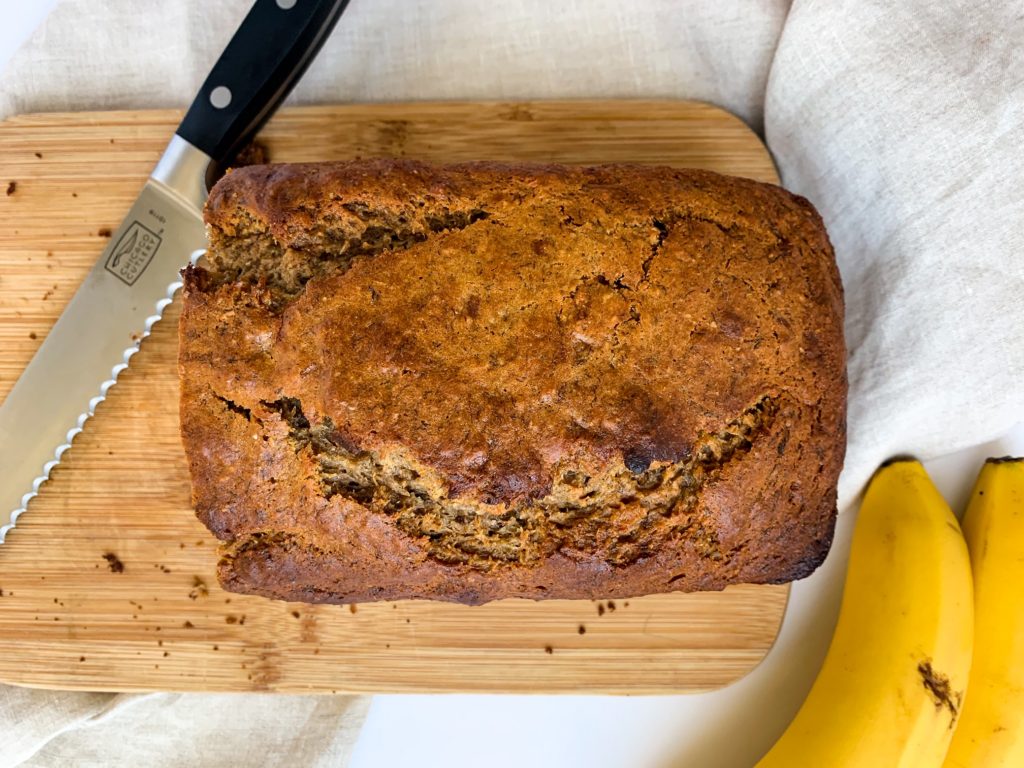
577,512
249,255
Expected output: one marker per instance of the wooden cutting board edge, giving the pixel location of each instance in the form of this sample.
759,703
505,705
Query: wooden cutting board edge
390,134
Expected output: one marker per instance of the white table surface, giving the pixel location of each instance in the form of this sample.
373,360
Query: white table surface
721,728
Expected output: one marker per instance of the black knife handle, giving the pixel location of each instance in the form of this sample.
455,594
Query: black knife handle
266,57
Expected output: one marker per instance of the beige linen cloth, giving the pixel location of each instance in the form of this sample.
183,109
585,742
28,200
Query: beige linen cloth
902,122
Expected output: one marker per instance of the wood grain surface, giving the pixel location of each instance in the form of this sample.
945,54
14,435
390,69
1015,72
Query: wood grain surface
107,582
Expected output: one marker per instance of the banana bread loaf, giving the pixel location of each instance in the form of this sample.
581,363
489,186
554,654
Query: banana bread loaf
483,381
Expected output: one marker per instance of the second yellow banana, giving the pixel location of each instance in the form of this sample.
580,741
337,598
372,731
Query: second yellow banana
991,729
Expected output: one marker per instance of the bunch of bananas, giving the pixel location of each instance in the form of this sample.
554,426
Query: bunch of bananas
898,687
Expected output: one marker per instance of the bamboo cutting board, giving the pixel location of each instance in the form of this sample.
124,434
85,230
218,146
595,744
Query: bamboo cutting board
108,581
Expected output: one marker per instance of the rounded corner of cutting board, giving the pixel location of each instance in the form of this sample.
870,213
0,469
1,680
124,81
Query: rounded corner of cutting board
68,621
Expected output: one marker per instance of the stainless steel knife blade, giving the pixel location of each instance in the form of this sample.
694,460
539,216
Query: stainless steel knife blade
138,274
116,306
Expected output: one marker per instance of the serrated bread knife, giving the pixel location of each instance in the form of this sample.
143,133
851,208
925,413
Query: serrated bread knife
138,274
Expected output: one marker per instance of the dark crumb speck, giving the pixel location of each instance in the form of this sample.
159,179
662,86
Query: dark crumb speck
159,642
166,654
241,620
199,588
113,562
611,605
11,188
296,614
600,609
352,608
32,335
104,232
231,619
188,625
253,153
548,649
216,647
74,194
582,630
407,621
81,658
626,604
1,593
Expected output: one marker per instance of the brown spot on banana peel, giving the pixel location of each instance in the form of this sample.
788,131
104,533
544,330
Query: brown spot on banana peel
897,459
1004,460
940,690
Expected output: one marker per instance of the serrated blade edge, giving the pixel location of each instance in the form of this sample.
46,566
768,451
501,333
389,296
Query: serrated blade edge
123,297
90,410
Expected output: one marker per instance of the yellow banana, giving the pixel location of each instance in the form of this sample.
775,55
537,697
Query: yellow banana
894,676
991,728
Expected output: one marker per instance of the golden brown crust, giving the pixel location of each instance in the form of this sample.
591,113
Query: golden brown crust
483,381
